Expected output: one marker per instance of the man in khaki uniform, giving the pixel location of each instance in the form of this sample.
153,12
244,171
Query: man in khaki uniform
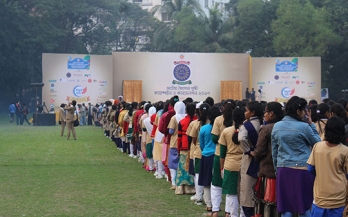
71,108
62,118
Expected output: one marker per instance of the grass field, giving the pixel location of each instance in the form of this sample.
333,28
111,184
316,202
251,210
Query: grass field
43,174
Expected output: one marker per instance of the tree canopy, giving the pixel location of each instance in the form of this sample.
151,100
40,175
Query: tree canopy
263,28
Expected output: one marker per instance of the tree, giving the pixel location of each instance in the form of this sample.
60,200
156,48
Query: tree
302,30
252,27
189,33
171,7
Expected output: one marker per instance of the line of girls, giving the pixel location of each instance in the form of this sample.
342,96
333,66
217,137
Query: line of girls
209,150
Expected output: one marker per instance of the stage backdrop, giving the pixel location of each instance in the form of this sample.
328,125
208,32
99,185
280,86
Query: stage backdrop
84,78
196,75
97,78
281,78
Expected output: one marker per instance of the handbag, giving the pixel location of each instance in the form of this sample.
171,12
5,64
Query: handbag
76,121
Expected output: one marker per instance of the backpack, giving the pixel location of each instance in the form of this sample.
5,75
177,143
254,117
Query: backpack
164,122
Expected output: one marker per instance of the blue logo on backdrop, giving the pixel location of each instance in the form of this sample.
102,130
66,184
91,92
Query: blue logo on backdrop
182,72
287,66
79,63
78,91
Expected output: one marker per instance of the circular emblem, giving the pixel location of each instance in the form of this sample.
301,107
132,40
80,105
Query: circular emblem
68,74
182,72
276,77
78,91
287,92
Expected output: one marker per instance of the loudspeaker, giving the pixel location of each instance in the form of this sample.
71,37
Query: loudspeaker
44,119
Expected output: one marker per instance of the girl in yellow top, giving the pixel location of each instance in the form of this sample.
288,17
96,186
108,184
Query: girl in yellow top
230,160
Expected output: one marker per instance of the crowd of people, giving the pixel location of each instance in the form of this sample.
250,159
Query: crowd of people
20,111
268,159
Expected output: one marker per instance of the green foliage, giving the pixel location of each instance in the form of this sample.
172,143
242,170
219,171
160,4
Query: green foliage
252,31
302,30
263,28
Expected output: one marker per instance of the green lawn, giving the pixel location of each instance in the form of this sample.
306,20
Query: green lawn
43,174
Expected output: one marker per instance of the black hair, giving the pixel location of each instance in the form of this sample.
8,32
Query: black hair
141,104
227,112
277,110
159,105
131,107
174,99
124,104
295,103
113,107
335,130
108,103
256,107
191,110
314,108
203,116
339,111
147,107
166,106
343,102
62,105
322,108
188,100
73,102
331,102
326,100
210,101
239,104
312,102
238,119
213,112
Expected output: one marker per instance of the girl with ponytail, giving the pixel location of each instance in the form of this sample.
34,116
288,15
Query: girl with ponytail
230,161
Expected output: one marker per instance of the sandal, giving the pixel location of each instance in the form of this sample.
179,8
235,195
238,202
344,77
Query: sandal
213,214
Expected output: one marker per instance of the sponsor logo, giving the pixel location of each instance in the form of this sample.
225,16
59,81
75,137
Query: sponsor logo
62,80
287,92
52,90
297,82
52,85
276,77
89,80
52,81
87,75
79,91
79,63
68,75
285,77
103,82
295,77
52,100
260,83
287,66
